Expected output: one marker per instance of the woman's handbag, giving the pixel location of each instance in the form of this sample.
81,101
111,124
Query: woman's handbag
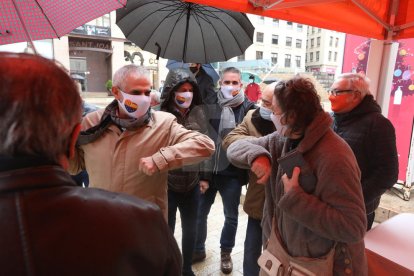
275,261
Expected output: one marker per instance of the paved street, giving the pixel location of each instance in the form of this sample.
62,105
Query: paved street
211,266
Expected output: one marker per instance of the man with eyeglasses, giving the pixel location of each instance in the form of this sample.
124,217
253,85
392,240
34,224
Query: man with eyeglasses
226,179
371,136
129,148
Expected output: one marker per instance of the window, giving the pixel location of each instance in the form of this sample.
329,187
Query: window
306,57
300,27
259,55
289,25
335,56
287,60
336,42
261,19
289,41
103,21
318,41
312,42
313,30
259,37
241,57
275,22
298,43
319,30
275,39
330,55
330,40
274,58
317,56
297,58
311,57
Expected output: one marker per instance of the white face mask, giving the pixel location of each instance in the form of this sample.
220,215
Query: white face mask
251,80
281,129
134,105
265,113
229,91
183,99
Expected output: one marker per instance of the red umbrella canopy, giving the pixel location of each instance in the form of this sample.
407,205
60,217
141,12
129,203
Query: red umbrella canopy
27,20
393,19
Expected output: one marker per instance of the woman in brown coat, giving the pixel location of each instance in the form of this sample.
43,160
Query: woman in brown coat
314,219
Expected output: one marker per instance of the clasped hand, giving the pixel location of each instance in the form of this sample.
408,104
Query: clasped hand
147,166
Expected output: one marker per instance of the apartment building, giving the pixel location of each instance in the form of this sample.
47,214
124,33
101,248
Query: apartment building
278,46
324,53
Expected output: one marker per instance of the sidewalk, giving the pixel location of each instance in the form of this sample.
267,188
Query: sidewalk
211,266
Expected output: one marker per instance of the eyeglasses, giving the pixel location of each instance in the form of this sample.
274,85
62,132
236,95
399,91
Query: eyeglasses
336,92
231,82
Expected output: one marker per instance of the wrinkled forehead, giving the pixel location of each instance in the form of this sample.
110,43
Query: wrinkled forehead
341,84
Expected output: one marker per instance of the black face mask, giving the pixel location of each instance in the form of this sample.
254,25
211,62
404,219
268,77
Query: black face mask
193,69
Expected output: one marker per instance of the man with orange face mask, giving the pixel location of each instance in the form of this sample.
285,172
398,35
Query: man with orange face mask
371,136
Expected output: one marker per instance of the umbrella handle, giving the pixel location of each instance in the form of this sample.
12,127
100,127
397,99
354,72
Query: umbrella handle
158,51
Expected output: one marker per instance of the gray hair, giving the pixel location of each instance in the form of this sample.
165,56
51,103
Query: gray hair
230,70
39,107
357,82
122,73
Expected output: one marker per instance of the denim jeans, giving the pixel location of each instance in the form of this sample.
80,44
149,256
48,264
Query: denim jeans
230,190
252,247
187,203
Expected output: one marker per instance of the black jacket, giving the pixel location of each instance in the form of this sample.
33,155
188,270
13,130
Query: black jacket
49,226
371,137
186,178
207,87
221,164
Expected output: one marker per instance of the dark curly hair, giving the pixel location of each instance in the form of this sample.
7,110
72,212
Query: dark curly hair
298,99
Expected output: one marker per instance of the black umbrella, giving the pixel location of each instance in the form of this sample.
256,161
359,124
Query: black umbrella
185,31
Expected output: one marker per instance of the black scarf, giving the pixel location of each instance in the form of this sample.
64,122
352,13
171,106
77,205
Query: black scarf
110,116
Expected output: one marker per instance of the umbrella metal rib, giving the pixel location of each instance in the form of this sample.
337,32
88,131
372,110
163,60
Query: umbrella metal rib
218,18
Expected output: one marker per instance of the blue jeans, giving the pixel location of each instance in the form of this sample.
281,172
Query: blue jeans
252,247
230,190
187,203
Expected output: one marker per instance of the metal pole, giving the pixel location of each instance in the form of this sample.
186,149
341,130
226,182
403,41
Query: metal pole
29,38
186,29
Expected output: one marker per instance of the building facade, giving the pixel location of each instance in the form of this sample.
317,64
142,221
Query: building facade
278,47
324,54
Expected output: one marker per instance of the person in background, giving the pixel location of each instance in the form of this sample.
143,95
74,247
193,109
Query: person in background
257,123
314,206
129,148
181,97
371,136
205,83
51,226
82,178
155,100
223,117
252,90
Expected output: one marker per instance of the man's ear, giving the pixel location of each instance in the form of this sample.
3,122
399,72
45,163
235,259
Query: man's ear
115,92
73,139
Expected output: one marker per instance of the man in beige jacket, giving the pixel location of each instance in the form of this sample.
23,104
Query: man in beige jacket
129,148
257,123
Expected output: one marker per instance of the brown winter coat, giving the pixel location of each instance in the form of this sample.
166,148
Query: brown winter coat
255,195
112,160
310,224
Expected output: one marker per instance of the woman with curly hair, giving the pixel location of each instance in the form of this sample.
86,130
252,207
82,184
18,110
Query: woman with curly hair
314,219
